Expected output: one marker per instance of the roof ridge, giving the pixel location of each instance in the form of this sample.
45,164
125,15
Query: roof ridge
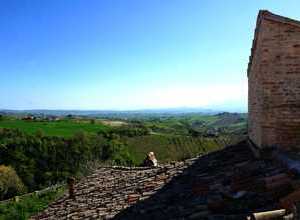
265,14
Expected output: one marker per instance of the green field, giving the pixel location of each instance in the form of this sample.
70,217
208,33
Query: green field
171,148
64,128
182,125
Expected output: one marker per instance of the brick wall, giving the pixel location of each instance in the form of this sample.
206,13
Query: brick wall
274,83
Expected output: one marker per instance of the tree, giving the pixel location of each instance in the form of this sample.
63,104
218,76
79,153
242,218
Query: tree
39,133
10,183
93,121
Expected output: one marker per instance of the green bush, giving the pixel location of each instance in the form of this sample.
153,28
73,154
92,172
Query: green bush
10,183
28,205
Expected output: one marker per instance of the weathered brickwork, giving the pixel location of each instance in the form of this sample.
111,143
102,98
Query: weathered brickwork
274,83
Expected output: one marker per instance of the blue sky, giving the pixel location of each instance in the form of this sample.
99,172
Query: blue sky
128,54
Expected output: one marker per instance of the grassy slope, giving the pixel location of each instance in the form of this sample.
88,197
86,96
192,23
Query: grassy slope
168,147
178,125
58,128
220,120
28,205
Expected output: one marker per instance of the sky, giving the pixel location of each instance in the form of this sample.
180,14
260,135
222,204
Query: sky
128,54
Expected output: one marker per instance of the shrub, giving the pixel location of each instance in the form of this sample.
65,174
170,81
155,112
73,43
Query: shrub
10,183
93,121
40,133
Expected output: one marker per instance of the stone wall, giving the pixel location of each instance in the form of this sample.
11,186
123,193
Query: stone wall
274,83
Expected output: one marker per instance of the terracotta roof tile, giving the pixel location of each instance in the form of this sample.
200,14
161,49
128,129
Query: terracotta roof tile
227,184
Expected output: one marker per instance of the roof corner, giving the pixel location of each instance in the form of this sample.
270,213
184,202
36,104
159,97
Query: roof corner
267,15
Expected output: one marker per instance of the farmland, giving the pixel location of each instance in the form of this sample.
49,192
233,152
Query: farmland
169,137
63,128
40,152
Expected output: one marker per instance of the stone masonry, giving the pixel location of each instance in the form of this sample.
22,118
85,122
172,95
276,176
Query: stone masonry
274,83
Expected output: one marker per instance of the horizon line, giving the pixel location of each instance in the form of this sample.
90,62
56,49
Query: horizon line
130,110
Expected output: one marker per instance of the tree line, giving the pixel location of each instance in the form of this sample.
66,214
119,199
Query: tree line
37,161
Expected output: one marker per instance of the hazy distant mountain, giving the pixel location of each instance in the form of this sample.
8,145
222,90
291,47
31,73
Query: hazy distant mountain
123,113
233,106
178,110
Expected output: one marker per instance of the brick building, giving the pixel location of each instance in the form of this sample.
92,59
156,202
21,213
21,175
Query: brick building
274,83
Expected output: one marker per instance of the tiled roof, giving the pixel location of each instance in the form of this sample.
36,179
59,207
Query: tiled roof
227,184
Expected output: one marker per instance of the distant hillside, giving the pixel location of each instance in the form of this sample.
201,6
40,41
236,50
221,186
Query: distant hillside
227,119
112,113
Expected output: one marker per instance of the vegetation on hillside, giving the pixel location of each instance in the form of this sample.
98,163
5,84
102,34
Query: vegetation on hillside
43,160
62,128
36,154
182,124
25,206
172,148
10,183
198,124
